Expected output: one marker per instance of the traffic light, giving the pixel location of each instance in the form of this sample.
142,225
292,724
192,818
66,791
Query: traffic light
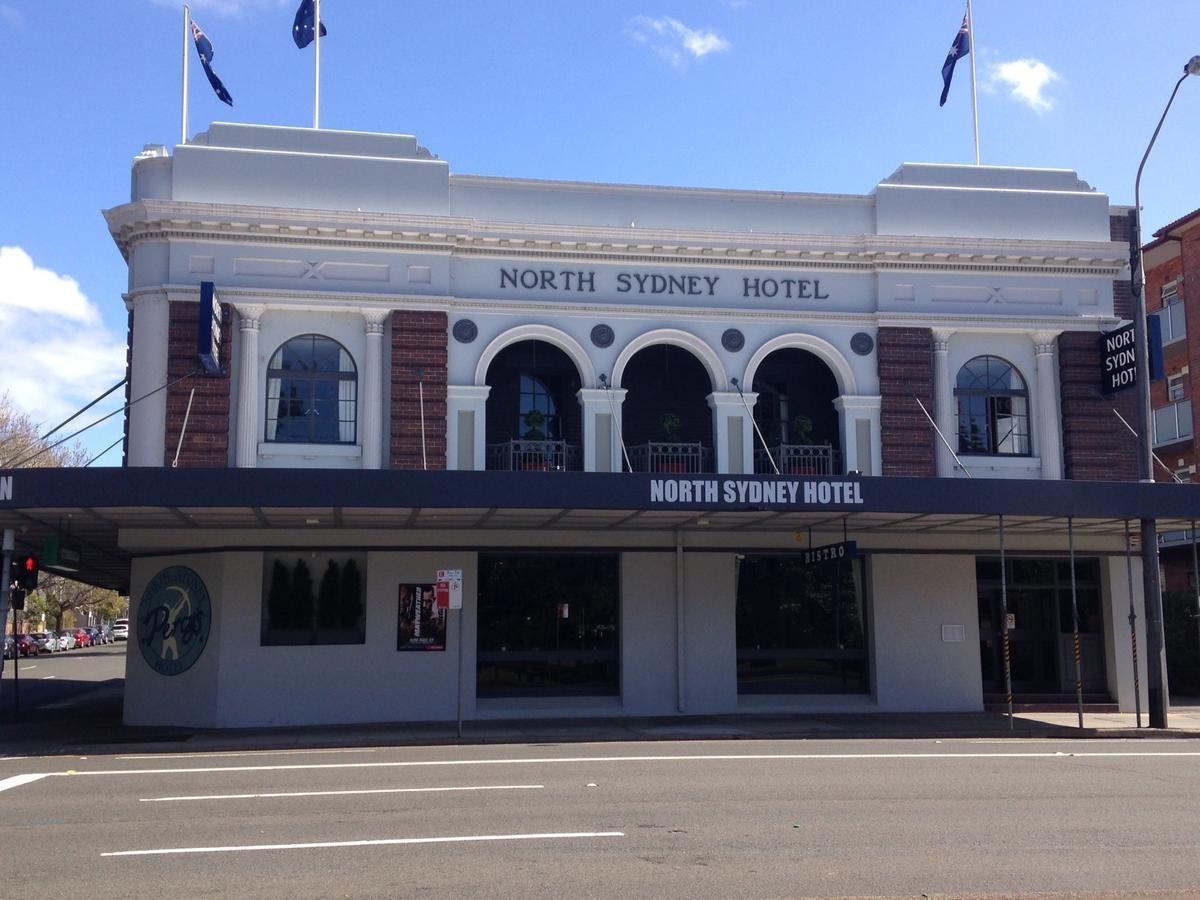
16,597
28,576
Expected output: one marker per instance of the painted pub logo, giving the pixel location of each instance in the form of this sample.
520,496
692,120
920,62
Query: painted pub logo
173,620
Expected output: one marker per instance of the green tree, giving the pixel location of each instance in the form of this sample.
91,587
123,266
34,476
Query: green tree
329,597
351,594
21,447
302,597
279,612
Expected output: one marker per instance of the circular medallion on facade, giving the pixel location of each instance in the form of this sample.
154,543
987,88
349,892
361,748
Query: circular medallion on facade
173,620
465,331
602,336
862,343
733,340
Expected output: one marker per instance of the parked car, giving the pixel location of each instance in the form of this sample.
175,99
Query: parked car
9,646
27,645
66,640
95,635
120,630
47,642
83,637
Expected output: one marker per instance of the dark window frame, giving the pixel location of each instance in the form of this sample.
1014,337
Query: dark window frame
997,403
311,378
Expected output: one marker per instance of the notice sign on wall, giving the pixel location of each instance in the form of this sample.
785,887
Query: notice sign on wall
1119,365
449,588
420,624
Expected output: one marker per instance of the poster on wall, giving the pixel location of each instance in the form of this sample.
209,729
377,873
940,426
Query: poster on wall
420,625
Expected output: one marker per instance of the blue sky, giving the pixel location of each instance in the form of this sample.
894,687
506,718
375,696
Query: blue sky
795,95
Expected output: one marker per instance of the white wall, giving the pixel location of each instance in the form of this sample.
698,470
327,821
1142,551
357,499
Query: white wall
1117,644
911,598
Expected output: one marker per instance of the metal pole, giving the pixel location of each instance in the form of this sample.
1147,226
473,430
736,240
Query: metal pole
460,670
1004,626
1156,654
974,102
1075,619
16,664
757,430
317,65
187,26
1196,577
10,541
421,394
680,671
1137,678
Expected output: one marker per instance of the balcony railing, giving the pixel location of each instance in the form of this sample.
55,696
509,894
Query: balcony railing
799,459
684,459
533,456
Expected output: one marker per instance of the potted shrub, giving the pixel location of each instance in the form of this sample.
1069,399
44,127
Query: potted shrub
535,419
800,433
670,428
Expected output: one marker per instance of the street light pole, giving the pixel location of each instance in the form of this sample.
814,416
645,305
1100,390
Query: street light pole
1156,655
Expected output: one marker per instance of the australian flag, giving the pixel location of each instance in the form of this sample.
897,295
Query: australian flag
961,47
302,28
204,49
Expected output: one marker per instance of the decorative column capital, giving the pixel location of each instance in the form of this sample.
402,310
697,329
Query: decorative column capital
941,339
375,319
249,315
1044,342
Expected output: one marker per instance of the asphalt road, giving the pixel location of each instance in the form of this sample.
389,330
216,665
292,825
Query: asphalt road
691,819
88,681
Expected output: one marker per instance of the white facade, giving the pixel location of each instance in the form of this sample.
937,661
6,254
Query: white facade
330,233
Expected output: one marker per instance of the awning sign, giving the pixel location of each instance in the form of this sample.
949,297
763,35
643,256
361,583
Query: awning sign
830,553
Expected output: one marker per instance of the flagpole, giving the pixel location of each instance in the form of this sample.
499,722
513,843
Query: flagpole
187,23
317,65
974,102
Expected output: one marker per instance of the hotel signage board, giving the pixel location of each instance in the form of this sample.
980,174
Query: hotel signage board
731,492
1118,349
632,283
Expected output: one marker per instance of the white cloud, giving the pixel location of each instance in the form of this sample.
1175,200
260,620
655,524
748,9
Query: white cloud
59,354
1026,79
674,41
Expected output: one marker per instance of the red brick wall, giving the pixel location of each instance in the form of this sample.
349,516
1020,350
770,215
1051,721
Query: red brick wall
418,356
906,369
1096,446
206,443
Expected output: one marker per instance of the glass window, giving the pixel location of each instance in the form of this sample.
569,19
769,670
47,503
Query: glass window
312,393
1172,321
1173,423
313,598
537,411
548,624
993,408
1175,387
800,629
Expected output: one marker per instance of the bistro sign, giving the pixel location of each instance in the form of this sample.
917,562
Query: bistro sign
657,284
738,492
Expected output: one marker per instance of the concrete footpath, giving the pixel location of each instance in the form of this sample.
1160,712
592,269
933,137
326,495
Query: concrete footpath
102,731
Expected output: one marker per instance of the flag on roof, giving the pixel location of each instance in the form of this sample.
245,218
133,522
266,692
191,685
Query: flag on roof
960,48
204,49
302,27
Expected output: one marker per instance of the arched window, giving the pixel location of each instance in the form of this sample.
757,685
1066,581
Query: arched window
312,392
993,408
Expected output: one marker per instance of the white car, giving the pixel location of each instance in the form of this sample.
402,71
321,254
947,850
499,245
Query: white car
120,630
66,640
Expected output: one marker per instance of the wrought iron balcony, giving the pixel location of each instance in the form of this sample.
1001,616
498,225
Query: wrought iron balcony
799,459
533,456
685,459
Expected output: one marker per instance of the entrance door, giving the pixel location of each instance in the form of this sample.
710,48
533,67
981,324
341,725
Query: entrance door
1041,643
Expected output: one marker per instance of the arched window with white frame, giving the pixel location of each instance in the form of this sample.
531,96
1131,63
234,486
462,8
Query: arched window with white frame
312,393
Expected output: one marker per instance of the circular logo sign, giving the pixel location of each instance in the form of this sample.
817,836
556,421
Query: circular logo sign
173,620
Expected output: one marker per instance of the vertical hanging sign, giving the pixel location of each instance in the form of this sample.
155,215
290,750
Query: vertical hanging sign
208,330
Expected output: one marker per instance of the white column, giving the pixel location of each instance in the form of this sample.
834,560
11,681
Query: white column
148,371
601,428
466,402
370,401
250,399
944,414
862,449
1049,434
727,405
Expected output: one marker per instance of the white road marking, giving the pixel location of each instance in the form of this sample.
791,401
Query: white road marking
316,845
603,759
429,790
28,668
18,780
48,677
232,753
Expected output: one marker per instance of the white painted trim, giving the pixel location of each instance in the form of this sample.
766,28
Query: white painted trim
718,378
552,336
819,347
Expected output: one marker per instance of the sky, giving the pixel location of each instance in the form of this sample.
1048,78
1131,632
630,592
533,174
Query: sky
824,96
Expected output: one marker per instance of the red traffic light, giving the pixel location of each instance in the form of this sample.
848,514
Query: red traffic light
29,572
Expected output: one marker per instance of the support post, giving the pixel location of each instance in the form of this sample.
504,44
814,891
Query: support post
1075,619
1004,626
